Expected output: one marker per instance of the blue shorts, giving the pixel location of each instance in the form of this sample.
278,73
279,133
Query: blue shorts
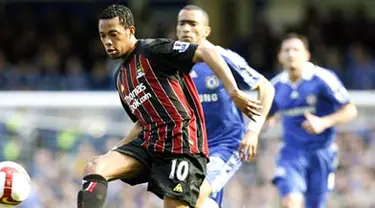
310,173
224,162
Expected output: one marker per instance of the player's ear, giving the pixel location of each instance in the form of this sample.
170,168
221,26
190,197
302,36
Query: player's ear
279,57
207,31
132,30
308,55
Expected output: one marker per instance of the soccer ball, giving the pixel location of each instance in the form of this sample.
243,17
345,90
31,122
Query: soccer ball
15,184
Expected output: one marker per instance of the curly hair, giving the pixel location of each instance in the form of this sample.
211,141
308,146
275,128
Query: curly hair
122,12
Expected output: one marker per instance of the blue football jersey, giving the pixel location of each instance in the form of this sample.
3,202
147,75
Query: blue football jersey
319,92
224,122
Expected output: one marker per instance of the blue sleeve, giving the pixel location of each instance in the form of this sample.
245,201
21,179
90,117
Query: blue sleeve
334,90
246,77
274,107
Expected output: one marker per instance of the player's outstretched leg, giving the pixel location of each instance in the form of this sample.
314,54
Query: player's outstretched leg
106,167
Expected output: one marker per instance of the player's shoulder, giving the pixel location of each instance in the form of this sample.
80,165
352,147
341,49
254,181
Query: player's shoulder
153,42
163,45
230,55
280,78
327,77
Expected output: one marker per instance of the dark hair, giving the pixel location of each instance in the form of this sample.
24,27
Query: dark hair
300,37
197,8
122,12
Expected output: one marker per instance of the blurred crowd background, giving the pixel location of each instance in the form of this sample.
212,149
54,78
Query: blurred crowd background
55,160
55,46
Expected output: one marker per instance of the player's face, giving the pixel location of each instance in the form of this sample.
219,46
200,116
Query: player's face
115,37
192,26
293,54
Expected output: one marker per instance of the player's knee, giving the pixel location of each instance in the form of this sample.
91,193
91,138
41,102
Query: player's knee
95,166
294,200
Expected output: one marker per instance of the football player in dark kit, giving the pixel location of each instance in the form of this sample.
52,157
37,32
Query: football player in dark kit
167,147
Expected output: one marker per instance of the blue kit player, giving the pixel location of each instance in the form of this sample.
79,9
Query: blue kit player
311,101
229,140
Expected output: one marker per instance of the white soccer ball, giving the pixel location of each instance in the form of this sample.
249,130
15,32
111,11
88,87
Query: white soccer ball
15,184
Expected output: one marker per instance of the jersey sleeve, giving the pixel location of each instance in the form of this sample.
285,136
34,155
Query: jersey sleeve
246,77
334,90
173,55
274,109
128,111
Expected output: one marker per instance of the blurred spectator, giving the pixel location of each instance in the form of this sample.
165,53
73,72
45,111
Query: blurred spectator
56,170
52,47
3,71
334,61
100,79
75,78
361,68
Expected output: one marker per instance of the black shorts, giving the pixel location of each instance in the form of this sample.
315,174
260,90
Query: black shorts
177,176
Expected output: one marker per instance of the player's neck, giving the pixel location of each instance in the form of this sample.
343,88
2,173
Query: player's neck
295,74
205,41
133,46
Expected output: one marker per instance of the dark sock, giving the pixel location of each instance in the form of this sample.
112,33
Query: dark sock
93,193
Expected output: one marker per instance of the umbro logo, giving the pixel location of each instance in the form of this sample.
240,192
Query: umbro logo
140,72
178,188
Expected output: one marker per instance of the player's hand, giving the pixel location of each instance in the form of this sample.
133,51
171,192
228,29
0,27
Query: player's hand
248,146
248,106
314,124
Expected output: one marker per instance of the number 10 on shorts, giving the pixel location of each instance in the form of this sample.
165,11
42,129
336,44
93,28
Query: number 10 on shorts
179,170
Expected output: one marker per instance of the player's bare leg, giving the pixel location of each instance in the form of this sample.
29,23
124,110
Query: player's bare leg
204,194
114,165
174,203
293,200
101,169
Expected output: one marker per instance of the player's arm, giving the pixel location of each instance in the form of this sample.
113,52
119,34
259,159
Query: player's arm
207,53
316,125
345,114
333,90
270,122
271,116
248,78
249,143
181,56
133,134
266,94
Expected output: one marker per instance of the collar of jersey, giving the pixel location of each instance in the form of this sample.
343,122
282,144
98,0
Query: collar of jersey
308,72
